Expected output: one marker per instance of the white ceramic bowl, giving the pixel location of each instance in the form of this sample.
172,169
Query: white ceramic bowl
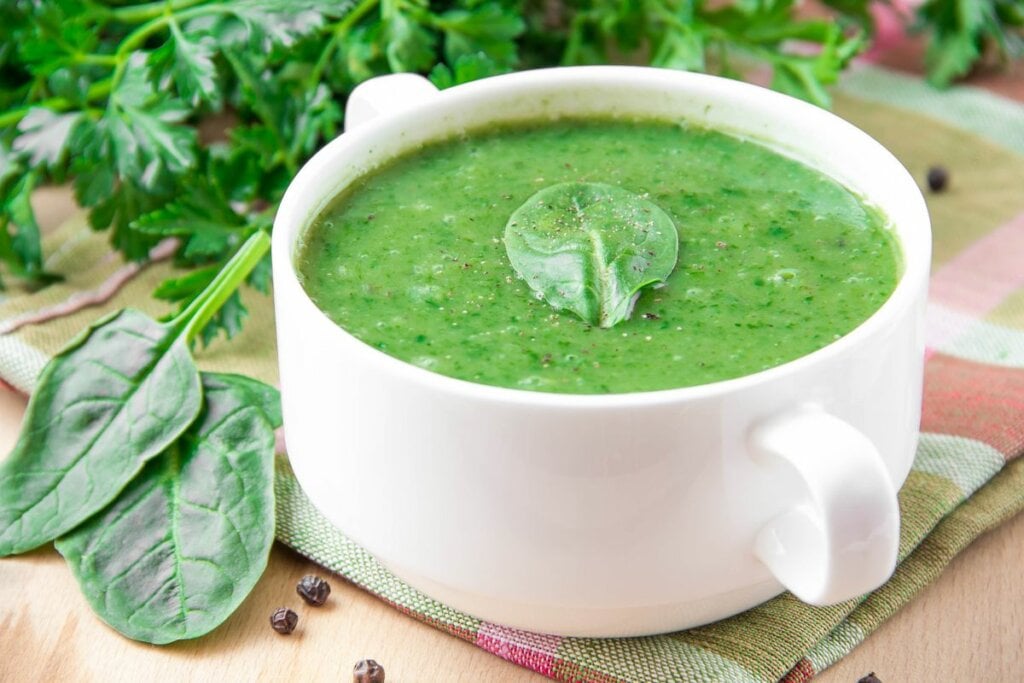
622,514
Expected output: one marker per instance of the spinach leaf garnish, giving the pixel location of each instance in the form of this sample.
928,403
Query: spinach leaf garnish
590,248
187,540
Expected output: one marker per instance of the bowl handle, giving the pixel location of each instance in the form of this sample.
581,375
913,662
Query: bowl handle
385,95
841,541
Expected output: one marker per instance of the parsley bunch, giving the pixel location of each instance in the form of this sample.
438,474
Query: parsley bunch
963,31
118,98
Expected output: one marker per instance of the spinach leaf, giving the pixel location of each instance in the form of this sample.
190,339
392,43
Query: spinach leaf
114,398
184,544
590,248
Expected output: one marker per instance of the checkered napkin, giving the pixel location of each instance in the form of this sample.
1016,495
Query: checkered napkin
967,476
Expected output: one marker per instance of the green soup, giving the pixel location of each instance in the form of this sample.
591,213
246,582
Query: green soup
775,259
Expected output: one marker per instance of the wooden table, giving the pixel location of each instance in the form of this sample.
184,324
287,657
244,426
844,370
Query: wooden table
967,626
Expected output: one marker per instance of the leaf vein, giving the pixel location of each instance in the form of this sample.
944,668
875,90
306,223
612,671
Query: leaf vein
175,532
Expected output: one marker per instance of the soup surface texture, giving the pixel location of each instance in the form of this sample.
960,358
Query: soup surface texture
776,260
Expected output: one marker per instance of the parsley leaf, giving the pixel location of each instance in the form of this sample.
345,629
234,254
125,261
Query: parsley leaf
44,135
961,30
25,243
188,62
466,68
409,44
489,29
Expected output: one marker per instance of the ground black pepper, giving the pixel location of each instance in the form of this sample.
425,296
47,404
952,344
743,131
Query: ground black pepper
938,178
870,678
367,671
284,620
313,590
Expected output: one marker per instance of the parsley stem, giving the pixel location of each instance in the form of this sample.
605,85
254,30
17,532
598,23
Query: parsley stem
128,45
339,31
139,13
197,314
96,90
570,55
101,60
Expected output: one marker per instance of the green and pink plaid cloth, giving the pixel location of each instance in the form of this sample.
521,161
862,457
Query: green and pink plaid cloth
967,477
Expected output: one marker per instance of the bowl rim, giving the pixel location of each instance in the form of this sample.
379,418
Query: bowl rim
292,219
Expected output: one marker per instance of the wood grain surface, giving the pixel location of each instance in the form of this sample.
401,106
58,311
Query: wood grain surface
967,626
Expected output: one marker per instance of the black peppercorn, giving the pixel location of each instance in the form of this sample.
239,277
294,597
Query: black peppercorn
938,178
870,678
313,590
368,671
284,620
